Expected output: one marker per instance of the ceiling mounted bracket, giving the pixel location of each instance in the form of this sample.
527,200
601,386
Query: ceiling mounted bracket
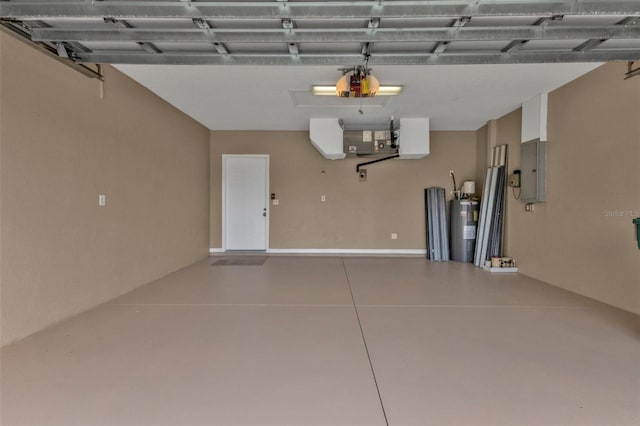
19,32
631,71
202,23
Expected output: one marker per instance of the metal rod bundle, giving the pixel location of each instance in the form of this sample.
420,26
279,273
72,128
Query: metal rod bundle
437,229
491,224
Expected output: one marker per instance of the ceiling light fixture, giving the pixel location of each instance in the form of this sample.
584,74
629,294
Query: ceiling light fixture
356,82
331,90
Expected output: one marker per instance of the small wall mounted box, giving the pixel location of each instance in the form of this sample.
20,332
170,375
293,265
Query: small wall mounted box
514,179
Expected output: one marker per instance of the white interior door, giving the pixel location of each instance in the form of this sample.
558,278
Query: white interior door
245,202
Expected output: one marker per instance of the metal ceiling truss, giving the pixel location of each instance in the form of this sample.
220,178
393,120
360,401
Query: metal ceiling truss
347,35
281,32
58,52
457,58
311,10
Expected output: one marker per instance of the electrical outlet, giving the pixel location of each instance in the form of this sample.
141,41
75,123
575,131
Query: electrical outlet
276,202
394,236
323,198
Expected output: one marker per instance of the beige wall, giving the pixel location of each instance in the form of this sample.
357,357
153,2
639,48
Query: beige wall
576,240
356,215
62,146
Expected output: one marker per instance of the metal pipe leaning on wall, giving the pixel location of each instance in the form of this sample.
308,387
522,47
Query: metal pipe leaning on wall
437,229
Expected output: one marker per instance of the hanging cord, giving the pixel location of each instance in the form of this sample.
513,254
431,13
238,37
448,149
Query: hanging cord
360,110
517,197
363,75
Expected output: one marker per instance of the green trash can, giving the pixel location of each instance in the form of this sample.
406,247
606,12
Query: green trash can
637,222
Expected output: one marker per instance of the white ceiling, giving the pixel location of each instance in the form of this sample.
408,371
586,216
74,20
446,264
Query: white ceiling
457,97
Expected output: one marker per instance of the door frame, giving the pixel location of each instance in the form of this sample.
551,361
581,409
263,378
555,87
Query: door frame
225,157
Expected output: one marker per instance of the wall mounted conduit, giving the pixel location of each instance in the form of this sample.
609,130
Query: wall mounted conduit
375,161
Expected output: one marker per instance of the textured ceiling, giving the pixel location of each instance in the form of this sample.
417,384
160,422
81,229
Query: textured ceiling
265,98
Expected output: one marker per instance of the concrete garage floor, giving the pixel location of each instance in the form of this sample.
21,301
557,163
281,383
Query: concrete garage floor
284,344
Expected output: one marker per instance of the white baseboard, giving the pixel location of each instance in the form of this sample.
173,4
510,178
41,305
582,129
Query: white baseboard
353,252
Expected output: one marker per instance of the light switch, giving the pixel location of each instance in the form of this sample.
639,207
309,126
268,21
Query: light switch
276,202
394,236
102,200
323,198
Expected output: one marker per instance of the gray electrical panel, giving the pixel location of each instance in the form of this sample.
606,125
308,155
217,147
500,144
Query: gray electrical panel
533,156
